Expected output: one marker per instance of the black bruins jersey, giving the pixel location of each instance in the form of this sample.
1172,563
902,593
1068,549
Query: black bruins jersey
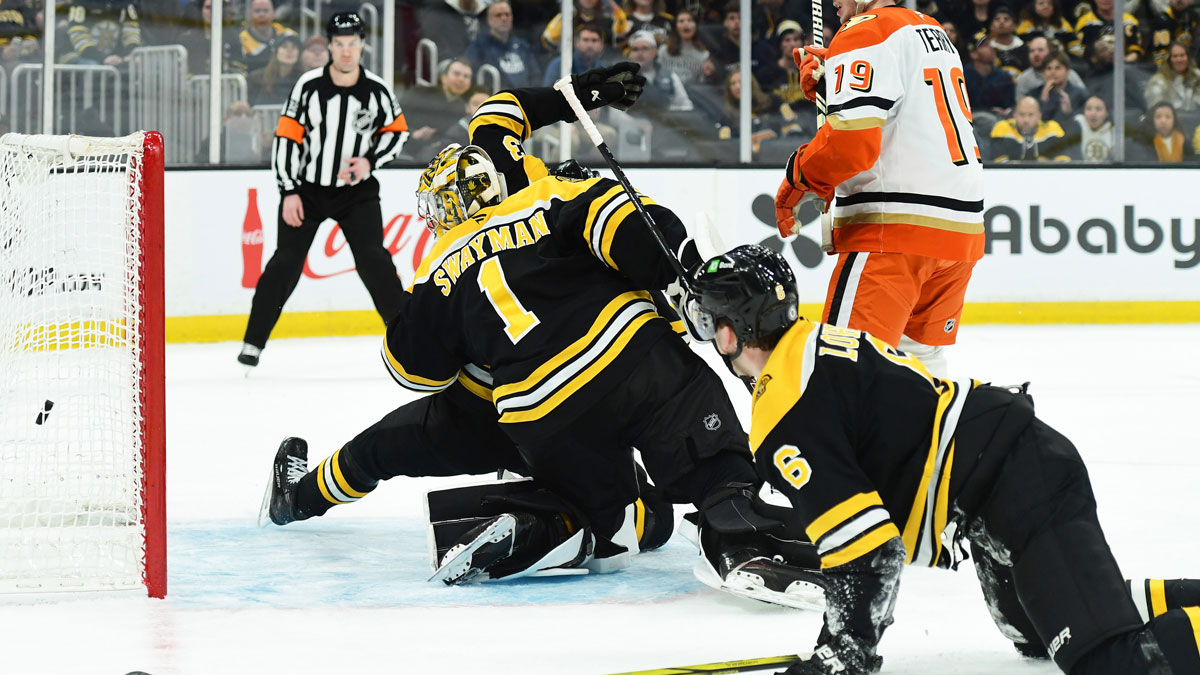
876,442
547,291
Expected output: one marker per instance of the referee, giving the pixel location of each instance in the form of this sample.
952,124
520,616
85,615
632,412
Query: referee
339,124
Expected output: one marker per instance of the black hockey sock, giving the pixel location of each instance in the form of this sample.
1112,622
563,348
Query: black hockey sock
334,481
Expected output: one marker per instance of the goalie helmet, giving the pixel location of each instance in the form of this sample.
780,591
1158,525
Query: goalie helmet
457,184
751,287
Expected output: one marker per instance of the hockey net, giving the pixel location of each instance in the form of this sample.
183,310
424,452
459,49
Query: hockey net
81,362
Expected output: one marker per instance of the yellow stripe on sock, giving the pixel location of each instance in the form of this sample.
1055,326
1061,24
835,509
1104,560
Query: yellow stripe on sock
321,483
1193,615
1158,597
341,480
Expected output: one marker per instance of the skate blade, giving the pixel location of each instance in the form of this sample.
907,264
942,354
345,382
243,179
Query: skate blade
456,564
264,511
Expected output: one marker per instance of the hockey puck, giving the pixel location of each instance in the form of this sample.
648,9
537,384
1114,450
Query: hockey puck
45,412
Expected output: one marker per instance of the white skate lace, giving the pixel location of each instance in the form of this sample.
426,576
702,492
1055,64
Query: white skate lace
296,468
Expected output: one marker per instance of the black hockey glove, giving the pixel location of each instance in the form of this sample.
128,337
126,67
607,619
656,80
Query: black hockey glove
617,85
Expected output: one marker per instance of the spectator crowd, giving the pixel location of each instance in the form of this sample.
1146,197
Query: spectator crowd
1039,73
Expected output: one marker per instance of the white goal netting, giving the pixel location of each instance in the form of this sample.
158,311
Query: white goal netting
71,401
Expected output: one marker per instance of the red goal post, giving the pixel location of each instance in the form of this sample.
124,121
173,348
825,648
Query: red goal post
82,404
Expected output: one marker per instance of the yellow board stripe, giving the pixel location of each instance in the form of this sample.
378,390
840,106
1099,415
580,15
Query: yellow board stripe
587,375
860,547
1158,597
1193,615
231,327
841,513
53,337
341,480
639,523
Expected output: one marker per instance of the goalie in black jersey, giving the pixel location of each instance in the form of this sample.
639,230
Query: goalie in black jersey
530,325
879,459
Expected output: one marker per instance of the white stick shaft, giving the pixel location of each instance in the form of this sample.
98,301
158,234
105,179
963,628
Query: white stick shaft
568,92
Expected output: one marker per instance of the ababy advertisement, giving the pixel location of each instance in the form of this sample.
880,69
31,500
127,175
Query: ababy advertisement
1064,235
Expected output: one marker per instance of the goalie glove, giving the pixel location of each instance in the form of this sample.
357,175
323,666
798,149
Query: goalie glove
792,192
811,61
617,85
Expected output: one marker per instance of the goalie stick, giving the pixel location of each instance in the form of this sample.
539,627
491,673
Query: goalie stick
742,666
568,92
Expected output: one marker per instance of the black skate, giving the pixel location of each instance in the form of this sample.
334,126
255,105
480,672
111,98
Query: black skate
249,355
279,502
748,572
482,547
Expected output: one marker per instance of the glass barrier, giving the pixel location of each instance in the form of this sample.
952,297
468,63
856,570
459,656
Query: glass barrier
1041,77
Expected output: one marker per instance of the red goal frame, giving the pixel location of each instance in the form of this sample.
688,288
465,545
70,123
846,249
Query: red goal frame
153,378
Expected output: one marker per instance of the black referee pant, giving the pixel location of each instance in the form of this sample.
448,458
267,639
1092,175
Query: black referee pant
356,209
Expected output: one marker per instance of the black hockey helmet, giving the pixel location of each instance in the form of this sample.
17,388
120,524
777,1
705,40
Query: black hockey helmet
751,287
345,23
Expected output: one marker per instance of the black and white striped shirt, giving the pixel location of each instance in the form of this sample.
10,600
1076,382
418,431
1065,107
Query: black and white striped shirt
323,125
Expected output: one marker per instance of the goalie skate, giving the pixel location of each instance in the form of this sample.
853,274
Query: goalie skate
483,547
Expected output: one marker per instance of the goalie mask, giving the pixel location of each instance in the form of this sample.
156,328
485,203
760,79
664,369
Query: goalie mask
457,184
751,287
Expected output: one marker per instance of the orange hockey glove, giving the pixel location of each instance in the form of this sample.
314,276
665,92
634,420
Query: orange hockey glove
811,61
791,191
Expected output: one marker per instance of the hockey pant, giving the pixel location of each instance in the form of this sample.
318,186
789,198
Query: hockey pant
356,208
1050,578
674,409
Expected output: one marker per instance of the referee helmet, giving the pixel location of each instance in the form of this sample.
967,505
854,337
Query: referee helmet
345,23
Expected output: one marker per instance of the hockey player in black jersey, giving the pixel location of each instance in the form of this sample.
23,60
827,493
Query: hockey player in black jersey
879,459
458,429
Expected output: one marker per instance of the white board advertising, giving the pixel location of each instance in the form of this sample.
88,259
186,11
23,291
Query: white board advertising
1065,235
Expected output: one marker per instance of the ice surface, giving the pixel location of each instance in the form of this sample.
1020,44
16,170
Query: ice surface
347,592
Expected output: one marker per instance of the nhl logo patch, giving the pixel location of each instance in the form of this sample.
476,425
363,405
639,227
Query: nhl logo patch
364,119
950,325
712,422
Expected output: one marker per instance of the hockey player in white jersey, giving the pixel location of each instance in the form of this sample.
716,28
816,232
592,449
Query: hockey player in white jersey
898,152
